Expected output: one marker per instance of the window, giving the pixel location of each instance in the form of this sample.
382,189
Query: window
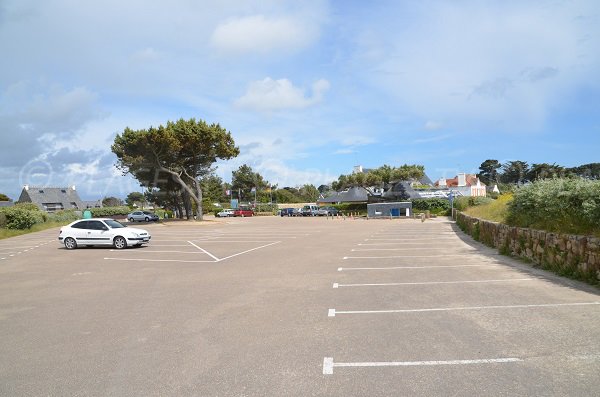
73,204
81,225
96,225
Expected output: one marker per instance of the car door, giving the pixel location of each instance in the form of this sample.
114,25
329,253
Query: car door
79,232
98,233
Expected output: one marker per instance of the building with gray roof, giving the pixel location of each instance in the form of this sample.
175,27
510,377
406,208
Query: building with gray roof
52,199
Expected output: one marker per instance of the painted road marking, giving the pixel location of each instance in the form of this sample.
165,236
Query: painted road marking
329,364
343,269
405,256
405,249
150,251
190,261
337,285
333,312
205,251
156,260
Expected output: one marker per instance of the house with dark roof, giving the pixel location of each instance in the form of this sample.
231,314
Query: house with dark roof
52,199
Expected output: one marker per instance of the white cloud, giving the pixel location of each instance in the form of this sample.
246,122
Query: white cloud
260,34
504,65
433,125
344,151
268,95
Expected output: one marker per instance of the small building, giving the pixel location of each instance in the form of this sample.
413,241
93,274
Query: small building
465,184
52,199
387,210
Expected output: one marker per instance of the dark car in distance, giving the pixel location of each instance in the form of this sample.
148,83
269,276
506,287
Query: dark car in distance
286,212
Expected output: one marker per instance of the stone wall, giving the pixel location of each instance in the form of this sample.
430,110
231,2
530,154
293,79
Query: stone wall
568,255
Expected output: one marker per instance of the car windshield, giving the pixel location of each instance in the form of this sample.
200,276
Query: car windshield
114,224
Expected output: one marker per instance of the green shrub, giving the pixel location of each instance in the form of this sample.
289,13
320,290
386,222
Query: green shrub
65,216
437,206
20,218
558,205
27,206
109,211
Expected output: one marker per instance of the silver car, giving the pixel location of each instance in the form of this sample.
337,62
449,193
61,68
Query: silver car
140,216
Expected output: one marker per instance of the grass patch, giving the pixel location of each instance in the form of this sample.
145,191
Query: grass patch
6,233
495,211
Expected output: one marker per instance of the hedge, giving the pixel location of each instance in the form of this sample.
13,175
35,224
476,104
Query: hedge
570,206
109,211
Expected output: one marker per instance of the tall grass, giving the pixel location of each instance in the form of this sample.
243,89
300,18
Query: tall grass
495,210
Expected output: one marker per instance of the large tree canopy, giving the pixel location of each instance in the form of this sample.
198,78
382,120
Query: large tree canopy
182,152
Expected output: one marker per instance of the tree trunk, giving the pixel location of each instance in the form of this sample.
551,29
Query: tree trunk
196,196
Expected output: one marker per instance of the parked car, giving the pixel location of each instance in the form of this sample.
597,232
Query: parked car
327,211
286,212
146,216
310,210
242,212
101,231
225,213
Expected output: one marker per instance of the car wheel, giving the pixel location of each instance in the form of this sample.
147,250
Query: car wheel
70,243
130,219
147,219
120,242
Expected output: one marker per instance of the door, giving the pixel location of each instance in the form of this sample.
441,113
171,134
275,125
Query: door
98,233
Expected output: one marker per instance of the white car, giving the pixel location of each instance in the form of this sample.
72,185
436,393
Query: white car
101,231
225,213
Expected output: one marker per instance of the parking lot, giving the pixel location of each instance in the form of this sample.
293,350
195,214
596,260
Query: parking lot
272,306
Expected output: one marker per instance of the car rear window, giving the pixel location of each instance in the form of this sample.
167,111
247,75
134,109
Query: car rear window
80,225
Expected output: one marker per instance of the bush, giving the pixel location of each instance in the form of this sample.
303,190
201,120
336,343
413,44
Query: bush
65,216
558,205
27,206
109,211
20,218
437,206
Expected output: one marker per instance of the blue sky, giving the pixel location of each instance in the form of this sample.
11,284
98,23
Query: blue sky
308,89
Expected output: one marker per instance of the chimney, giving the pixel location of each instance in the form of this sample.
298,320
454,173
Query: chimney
442,182
73,187
357,169
462,179
26,187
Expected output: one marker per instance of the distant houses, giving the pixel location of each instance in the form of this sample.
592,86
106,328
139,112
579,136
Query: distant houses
461,185
51,199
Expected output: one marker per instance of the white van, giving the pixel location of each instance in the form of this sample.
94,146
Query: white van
310,210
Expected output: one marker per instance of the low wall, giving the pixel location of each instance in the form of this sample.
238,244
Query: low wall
567,255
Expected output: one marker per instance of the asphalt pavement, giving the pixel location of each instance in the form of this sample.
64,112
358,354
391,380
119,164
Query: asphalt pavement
271,306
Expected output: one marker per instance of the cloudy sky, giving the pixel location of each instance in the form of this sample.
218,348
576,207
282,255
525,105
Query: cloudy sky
308,89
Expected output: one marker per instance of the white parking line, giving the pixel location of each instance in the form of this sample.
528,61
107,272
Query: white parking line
404,256
333,312
405,249
343,269
157,260
253,249
205,251
329,364
337,285
404,243
414,239
150,251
